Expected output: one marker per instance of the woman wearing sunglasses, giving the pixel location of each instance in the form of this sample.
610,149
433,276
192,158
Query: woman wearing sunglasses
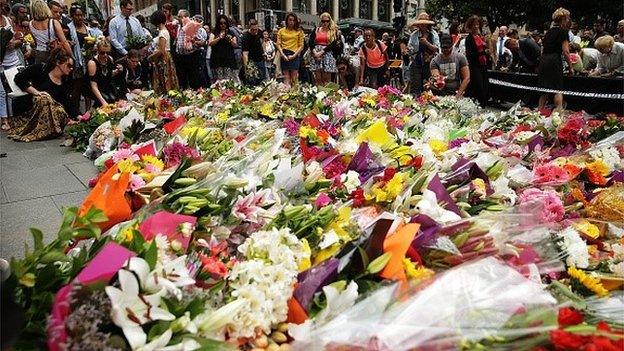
51,105
101,70
325,47
222,57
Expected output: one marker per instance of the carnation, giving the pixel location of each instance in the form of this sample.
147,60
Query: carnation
552,209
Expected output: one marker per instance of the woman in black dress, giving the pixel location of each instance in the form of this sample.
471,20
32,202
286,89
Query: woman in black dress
554,44
222,57
476,53
101,71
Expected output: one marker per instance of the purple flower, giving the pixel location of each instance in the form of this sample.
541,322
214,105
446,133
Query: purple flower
176,151
292,127
457,142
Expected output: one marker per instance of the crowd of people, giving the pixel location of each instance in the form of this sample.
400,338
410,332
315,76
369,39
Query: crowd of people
68,63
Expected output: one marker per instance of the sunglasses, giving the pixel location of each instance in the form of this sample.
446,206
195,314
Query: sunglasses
324,21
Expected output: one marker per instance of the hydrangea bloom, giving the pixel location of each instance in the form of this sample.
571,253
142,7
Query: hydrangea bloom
552,209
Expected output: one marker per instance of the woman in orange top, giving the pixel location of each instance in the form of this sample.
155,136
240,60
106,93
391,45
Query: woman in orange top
374,61
290,46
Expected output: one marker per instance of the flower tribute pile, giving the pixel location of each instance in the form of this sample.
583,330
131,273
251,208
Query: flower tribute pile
269,219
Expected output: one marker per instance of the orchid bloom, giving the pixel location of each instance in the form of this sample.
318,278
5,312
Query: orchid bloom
131,309
170,276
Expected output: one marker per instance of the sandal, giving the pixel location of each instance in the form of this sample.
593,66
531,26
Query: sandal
5,126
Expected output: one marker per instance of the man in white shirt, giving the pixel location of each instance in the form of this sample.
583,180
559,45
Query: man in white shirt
123,26
500,43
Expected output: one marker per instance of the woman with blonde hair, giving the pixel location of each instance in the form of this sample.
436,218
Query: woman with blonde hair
101,70
290,46
46,31
550,70
325,45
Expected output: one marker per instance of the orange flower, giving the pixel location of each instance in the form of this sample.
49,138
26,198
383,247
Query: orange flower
596,178
323,135
573,170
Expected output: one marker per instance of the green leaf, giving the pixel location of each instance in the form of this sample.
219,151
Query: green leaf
97,216
379,263
158,329
37,238
151,255
54,256
195,307
364,256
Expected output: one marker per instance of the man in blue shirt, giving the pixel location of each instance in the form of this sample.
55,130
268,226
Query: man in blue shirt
122,26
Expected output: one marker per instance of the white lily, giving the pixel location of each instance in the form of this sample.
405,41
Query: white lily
169,276
159,343
131,309
429,206
211,321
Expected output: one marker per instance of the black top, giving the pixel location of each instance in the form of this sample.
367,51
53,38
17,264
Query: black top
37,76
553,39
253,44
135,79
222,54
103,77
81,38
473,53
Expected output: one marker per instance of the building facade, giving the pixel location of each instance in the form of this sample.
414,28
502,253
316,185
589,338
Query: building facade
377,13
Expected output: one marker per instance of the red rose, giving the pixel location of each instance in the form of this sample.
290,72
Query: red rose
566,341
603,343
569,316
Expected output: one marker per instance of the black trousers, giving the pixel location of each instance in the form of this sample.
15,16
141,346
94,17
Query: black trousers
478,87
188,70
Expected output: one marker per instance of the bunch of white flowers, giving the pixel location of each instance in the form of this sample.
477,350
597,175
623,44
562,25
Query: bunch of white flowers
265,281
575,247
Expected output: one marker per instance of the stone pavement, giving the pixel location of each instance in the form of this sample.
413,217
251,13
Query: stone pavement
37,180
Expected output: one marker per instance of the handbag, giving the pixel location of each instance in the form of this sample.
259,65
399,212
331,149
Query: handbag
108,195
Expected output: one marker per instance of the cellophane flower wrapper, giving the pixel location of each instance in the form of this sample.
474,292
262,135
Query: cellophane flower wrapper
467,303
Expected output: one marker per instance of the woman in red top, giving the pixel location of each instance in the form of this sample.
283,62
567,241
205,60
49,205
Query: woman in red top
325,46
477,56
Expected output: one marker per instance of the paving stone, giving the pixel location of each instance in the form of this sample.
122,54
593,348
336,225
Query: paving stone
39,182
51,156
8,145
69,200
14,161
83,171
17,217
3,197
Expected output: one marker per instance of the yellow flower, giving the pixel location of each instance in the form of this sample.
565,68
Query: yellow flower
222,116
127,166
305,262
127,234
340,222
154,161
587,228
438,146
404,154
390,190
377,133
479,185
327,253
307,132
267,110
188,131
598,166
395,186
370,101
589,282
413,272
